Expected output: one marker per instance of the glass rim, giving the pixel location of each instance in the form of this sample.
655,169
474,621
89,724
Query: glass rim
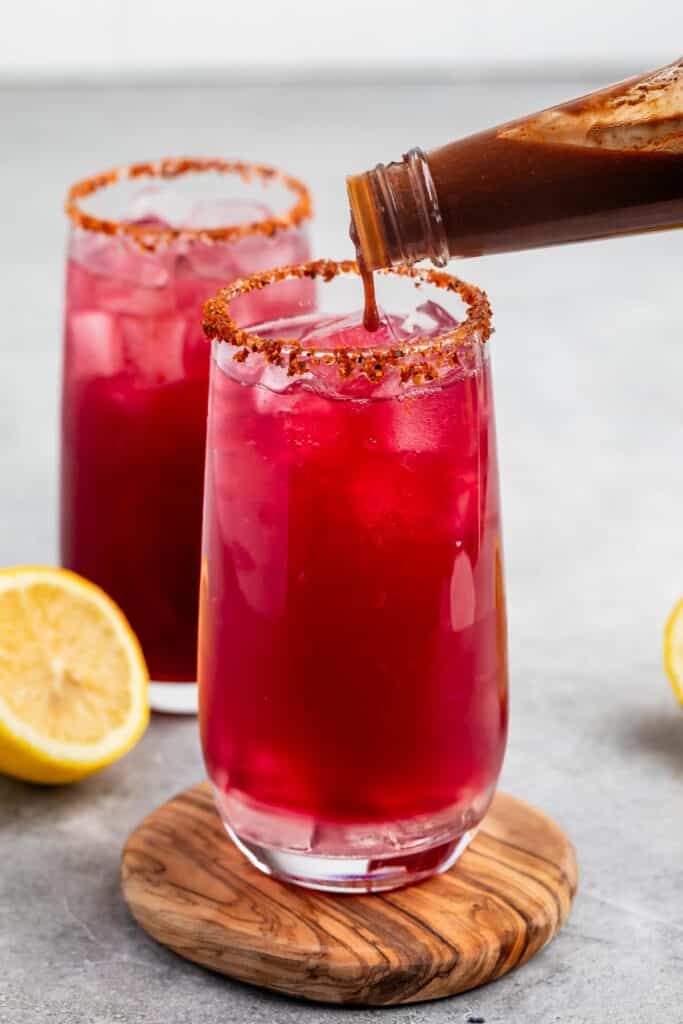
419,360
149,237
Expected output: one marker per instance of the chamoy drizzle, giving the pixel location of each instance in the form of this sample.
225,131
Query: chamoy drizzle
370,311
371,316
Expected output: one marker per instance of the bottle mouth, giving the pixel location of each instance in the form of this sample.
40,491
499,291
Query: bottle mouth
395,214
151,237
367,232
418,360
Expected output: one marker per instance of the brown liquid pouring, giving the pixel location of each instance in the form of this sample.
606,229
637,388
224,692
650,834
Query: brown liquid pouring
607,164
370,311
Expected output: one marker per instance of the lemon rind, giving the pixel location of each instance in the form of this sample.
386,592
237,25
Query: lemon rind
28,742
673,639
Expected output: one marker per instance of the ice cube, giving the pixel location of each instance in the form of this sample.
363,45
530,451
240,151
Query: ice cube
92,345
426,321
159,205
153,347
333,332
254,252
118,258
221,261
255,536
111,275
286,299
219,213
420,421
212,262
260,252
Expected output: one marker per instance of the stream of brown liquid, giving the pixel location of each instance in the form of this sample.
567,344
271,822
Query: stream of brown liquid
370,311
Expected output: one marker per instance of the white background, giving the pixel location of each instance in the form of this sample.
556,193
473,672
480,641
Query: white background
104,38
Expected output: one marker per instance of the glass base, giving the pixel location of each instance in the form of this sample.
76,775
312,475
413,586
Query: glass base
354,874
174,698
344,856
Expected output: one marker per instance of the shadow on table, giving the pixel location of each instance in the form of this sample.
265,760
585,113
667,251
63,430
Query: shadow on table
657,733
25,801
120,780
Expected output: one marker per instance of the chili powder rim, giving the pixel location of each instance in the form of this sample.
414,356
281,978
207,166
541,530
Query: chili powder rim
151,238
419,360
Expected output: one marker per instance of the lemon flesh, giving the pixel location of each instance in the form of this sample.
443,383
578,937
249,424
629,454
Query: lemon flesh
73,680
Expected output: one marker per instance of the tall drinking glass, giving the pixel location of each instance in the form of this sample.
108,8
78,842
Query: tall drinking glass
352,669
135,382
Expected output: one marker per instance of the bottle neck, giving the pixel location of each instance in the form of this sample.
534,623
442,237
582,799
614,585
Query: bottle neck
395,214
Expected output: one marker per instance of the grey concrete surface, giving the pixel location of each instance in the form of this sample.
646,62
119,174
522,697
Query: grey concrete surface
589,374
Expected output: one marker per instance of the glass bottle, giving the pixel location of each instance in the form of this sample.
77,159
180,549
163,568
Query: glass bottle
609,163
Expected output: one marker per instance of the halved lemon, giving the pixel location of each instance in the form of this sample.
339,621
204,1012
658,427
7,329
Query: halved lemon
673,649
73,679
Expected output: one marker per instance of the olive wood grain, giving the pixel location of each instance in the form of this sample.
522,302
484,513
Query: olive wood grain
191,889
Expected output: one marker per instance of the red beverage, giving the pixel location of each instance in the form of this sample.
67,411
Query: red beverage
353,687
136,367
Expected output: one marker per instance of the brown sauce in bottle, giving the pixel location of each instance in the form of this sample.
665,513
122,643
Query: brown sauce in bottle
513,190
606,164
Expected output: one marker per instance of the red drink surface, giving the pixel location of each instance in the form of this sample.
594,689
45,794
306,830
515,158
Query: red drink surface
134,422
352,624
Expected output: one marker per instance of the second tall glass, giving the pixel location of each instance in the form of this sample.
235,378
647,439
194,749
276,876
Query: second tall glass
135,381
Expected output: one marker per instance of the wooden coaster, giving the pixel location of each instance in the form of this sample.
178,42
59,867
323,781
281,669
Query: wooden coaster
508,895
